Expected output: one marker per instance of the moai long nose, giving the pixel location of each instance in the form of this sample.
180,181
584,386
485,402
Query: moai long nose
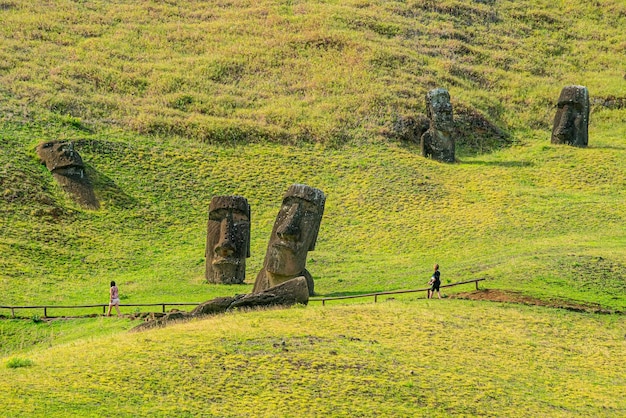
226,245
565,125
289,228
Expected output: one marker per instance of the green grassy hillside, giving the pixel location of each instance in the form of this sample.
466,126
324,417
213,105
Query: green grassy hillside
170,103
302,71
540,218
439,358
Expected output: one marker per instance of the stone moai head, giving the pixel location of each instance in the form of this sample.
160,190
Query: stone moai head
228,240
295,230
68,169
438,141
60,156
571,122
439,109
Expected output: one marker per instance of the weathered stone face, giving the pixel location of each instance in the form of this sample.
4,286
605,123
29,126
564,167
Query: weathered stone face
571,122
295,230
68,169
438,142
228,240
293,236
439,109
59,155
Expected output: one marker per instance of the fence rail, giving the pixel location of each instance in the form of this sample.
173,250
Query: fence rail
164,304
101,305
392,292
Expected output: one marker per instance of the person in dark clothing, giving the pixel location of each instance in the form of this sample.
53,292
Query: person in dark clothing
434,283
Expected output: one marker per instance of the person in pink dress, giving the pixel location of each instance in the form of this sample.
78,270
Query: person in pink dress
114,299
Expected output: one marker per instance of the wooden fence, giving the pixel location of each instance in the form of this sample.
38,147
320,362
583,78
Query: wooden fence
103,306
393,292
164,304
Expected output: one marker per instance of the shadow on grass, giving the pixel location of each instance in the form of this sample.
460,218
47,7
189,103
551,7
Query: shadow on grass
510,164
607,147
107,190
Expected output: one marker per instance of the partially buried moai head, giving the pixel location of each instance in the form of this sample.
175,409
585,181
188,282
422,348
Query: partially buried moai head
571,122
68,169
439,109
438,142
295,230
59,155
228,240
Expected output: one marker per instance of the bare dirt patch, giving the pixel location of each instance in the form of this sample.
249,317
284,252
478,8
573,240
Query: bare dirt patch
508,296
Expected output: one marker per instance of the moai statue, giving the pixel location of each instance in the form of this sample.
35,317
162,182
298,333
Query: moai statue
293,236
68,170
438,141
228,240
571,122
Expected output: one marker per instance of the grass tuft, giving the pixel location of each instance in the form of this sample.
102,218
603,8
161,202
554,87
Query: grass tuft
17,362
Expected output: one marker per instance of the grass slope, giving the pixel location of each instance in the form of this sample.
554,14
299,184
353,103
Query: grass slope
415,358
294,71
541,218
171,103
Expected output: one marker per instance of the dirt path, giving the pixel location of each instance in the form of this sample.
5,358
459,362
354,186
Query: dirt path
495,295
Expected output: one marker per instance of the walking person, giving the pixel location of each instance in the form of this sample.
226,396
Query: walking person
114,299
434,283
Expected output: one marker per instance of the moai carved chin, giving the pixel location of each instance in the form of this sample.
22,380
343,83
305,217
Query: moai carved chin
438,142
228,271
293,236
571,122
68,169
228,240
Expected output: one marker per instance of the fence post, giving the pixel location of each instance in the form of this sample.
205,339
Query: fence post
375,298
13,312
45,311
163,308
476,284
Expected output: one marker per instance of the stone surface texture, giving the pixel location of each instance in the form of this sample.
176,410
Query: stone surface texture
291,292
571,122
438,142
228,240
294,234
68,169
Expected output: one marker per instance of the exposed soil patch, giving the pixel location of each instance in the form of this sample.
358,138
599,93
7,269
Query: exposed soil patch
508,296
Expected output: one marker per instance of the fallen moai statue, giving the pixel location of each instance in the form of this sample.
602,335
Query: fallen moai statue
291,292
